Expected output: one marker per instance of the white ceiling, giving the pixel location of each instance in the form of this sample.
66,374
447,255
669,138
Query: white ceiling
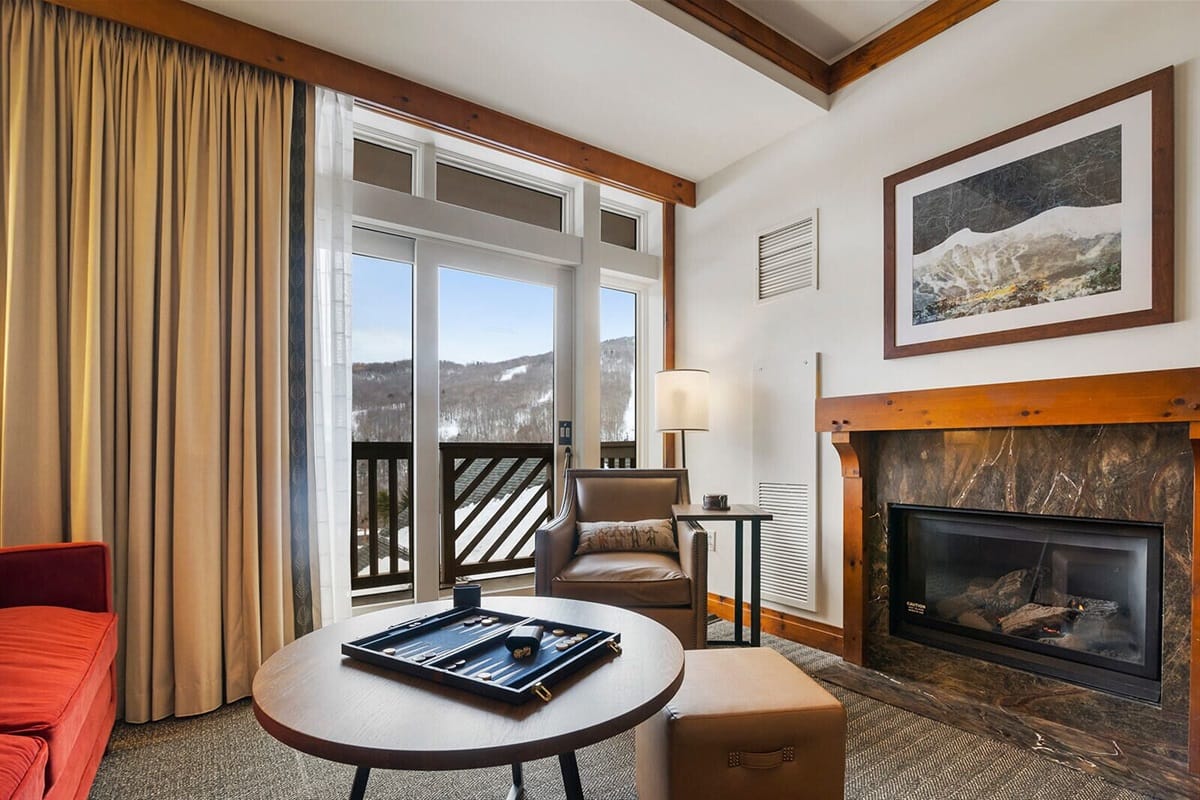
830,28
607,72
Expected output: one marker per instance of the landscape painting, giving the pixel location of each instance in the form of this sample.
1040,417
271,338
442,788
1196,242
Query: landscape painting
1044,228
1058,226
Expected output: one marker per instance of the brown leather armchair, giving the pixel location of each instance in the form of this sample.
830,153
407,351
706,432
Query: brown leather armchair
670,588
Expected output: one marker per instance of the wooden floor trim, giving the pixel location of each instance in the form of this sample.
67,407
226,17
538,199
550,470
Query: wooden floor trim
778,623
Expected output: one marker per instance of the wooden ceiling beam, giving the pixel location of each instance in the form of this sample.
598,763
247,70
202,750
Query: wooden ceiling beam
902,37
422,105
731,21
726,18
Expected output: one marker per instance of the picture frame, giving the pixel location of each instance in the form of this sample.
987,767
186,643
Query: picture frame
1059,226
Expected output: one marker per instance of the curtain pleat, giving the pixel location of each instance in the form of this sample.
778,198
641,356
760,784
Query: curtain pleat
144,371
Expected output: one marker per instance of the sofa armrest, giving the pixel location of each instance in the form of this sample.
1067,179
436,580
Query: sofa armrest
553,547
76,575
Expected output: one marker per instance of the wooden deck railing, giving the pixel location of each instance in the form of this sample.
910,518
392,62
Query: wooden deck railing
494,497
381,534
618,455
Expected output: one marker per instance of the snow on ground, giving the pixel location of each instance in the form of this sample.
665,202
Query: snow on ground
508,374
630,421
490,511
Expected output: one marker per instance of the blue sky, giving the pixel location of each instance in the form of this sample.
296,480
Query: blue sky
482,318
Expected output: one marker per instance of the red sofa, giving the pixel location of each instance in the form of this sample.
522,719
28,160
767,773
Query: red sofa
58,647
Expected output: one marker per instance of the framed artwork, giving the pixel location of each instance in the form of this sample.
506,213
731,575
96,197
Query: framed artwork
1059,226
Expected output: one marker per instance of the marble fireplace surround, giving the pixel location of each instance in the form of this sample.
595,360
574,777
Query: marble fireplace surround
1117,446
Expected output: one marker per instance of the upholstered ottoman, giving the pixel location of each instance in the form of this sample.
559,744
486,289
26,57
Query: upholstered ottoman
746,723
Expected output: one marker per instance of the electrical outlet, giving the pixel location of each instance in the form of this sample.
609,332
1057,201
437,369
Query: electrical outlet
712,542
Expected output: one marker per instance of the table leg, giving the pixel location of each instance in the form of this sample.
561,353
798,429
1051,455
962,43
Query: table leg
755,583
517,792
737,584
570,775
359,789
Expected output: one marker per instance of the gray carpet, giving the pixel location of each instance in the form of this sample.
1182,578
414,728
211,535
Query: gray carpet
891,755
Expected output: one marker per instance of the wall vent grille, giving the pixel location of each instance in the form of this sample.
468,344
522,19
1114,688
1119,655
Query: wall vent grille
788,546
787,258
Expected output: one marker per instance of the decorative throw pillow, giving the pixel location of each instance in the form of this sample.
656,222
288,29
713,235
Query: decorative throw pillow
648,535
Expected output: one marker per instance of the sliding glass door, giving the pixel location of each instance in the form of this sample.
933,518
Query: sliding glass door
495,364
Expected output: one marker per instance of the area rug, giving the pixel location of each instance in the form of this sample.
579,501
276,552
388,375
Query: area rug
891,755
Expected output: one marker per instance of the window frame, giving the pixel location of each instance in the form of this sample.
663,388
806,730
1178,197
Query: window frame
392,141
645,293
640,215
565,194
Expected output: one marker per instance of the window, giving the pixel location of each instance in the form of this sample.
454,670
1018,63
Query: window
381,352
618,378
496,358
383,166
465,344
468,189
618,229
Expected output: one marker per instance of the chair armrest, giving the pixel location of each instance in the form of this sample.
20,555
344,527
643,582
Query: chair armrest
75,575
693,551
553,547
693,560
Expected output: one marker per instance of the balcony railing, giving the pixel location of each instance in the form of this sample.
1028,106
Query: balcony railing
380,523
618,455
494,497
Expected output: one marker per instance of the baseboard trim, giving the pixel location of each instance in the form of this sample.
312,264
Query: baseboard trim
778,623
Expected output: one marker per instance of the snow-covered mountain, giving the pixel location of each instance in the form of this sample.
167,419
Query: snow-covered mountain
505,401
1061,253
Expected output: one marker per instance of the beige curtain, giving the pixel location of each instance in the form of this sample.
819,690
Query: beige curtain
143,339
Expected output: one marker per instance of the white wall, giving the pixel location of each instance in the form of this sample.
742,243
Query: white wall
1008,64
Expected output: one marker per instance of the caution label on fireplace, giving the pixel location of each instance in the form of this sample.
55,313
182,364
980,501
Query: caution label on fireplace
915,608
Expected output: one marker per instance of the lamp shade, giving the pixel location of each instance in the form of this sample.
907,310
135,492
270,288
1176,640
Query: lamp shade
681,400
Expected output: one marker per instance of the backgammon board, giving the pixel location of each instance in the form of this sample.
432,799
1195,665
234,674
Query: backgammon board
465,648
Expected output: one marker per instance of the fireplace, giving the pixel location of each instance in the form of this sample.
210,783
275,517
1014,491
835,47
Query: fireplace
1074,598
1110,446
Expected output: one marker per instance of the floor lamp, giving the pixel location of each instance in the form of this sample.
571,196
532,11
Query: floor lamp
681,403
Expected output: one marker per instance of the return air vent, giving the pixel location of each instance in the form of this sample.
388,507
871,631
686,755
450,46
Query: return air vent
787,258
787,544
784,471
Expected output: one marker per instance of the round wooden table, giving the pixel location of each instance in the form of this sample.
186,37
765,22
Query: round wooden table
311,697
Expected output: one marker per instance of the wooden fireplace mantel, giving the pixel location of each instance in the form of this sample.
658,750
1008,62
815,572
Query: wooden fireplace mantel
1171,395
1137,397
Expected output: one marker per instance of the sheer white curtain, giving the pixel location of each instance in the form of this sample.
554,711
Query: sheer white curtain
333,198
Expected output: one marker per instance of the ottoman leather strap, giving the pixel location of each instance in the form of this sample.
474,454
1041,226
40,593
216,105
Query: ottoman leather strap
769,760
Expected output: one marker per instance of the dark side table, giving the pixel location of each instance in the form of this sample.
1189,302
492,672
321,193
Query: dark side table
737,514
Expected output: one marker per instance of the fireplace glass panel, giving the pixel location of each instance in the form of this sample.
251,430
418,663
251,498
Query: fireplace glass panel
1081,591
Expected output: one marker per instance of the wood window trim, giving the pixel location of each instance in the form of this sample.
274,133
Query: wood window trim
422,105
668,290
